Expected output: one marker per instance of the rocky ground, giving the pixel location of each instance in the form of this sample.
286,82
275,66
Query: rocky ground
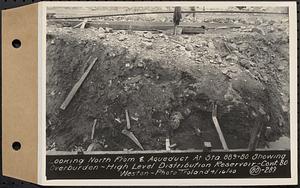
168,85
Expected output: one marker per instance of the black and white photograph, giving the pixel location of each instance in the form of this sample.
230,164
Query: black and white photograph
162,80
131,79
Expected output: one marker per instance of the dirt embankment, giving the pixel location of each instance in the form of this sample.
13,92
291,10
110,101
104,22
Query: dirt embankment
168,84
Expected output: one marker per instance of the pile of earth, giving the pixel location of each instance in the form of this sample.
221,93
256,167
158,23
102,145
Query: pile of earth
167,87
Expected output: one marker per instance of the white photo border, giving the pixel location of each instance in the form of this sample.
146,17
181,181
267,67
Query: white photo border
167,182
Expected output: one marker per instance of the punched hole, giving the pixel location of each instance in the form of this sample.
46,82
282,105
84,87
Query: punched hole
16,43
16,146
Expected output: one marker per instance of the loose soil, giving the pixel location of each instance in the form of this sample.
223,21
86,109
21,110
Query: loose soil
168,84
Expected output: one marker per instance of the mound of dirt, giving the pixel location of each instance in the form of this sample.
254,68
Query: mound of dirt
167,87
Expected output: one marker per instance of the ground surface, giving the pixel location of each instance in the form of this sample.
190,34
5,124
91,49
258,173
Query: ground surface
168,84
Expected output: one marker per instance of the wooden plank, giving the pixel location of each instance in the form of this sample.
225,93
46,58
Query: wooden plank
93,129
168,144
218,128
133,138
77,86
83,24
173,146
78,25
187,28
133,26
127,119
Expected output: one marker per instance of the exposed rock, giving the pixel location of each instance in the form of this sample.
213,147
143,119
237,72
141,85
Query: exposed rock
52,93
211,45
232,57
245,63
102,36
189,47
162,35
258,21
224,71
218,58
122,38
252,64
229,75
262,111
186,37
203,43
285,99
133,79
233,70
280,121
140,64
177,45
228,96
187,112
176,118
243,46
258,30
108,30
233,46
101,30
147,45
285,108
121,32
148,35
280,68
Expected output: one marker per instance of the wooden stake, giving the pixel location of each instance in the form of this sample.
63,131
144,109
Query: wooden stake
91,147
133,138
173,146
83,24
78,25
207,147
127,119
77,86
168,144
93,129
218,128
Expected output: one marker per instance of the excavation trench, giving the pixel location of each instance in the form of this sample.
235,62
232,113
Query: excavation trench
163,100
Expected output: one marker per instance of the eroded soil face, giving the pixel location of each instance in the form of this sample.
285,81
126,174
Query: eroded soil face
168,85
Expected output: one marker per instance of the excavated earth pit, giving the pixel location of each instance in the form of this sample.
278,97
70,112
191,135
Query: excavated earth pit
167,89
